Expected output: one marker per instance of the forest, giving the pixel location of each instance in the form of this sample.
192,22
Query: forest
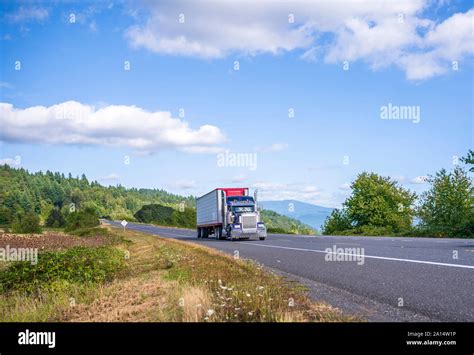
31,200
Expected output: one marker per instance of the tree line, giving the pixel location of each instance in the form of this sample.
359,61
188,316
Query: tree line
30,199
380,206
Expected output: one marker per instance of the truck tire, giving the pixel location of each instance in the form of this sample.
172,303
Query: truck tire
218,233
262,238
199,232
228,233
205,232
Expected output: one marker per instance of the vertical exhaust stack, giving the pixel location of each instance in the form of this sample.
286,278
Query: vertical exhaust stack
255,197
224,207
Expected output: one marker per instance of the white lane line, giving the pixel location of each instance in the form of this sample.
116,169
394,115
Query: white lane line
365,256
173,235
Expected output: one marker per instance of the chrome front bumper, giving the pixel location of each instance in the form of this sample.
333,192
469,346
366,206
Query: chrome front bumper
247,233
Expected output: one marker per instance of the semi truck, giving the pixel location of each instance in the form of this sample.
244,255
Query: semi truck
229,213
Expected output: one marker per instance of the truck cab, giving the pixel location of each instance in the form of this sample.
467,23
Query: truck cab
243,218
229,213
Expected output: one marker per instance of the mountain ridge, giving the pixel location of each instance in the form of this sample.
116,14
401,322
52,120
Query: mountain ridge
310,214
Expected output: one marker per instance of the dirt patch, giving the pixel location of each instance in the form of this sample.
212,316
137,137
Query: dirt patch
138,299
49,241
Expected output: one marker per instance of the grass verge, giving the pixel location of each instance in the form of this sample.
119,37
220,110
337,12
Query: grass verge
147,278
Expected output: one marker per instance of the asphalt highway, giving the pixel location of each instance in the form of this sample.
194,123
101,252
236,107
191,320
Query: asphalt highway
379,278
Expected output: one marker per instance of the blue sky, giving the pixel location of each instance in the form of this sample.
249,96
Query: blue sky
118,116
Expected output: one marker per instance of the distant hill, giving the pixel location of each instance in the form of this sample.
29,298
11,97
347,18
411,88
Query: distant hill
277,223
42,192
307,213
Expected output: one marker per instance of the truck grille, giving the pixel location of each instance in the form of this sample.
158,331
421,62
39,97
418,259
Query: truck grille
249,222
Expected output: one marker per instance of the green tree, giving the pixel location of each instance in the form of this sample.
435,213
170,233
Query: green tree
447,208
337,222
55,218
26,223
469,160
378,201
155,214
185,218
5,216
82,219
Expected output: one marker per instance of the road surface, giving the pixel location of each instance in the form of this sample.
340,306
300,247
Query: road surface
398,279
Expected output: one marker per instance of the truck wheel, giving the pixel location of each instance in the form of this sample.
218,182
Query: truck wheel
219,233
205,232
262,238
199,232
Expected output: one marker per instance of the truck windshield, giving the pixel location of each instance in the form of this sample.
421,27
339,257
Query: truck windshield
242,209
241,199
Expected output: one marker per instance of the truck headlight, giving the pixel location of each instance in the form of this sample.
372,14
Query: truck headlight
237,226
260,225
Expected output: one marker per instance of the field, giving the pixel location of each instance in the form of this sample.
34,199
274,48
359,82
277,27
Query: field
110,275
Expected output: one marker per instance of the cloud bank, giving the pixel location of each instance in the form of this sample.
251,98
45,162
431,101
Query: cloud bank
75,123
380,33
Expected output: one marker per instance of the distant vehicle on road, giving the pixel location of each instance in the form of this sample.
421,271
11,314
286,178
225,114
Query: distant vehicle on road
229,213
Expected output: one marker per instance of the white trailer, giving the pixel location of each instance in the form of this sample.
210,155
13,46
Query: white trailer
229,213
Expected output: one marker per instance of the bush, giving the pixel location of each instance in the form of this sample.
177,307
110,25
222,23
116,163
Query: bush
446,209
336,223
373,230
278,230
26,223
55,219
5,216
465,230
154,213
379,201
82,219
76,265
185,218
167,216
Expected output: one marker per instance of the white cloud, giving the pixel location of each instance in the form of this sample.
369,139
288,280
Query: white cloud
184,184
419,180
449,41
345,187
196,149
239,178
214,29
5,85
381,33
93,26
9,161
114,125
399,178
110,177
274,191
406,180
276,147
27,14
281,191
393,42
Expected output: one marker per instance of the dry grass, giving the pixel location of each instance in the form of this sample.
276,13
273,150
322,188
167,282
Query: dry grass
136,299
224,289
45,307
196,303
